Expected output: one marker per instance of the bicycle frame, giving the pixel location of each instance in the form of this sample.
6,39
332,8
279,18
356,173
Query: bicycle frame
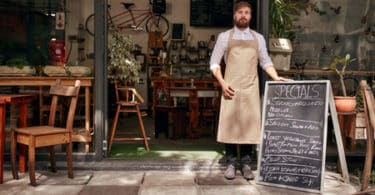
126,18
130,18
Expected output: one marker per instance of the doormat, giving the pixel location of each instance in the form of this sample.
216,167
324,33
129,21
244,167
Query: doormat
179,152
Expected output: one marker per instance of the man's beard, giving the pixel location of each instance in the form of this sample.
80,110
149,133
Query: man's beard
241,24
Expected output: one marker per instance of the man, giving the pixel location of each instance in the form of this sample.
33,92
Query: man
239,121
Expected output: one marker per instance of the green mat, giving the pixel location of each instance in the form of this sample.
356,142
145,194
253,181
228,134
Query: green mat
212,151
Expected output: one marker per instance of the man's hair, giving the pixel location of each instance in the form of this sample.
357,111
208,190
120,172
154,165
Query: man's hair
239,4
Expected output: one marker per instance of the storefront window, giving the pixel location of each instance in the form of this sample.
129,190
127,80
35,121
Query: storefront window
27,30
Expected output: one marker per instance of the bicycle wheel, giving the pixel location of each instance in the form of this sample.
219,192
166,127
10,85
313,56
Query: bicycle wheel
161,24
89,25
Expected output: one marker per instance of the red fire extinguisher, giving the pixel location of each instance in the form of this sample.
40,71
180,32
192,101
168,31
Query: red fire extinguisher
57,52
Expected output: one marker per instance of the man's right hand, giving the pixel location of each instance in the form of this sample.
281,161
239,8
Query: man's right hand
227,91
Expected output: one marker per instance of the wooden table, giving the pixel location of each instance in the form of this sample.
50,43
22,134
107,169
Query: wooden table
86,82
171,88
193,93
22,101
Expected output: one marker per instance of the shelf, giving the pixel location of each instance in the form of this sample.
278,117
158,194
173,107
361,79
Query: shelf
153,57
180,65
324,72
151,66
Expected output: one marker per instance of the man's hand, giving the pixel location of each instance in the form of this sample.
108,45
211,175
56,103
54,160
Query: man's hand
227,91
283,79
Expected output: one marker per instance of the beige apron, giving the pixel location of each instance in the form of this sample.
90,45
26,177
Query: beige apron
239,121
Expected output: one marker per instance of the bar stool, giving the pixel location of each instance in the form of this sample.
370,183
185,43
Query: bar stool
128,103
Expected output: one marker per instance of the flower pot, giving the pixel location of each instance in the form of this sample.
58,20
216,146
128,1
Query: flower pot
17,71
66,70
345,103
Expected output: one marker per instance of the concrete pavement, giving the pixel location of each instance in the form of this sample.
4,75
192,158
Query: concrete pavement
153,182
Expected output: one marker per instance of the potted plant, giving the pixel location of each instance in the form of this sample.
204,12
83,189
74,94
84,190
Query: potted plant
122,67
17,66
343,103
281,19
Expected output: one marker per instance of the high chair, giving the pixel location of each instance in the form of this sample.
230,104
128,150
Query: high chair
128,102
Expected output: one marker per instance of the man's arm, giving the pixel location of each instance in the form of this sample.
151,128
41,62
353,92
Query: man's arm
271,71
217,55
227,90
265,61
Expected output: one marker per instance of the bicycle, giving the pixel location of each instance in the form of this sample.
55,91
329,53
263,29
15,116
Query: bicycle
132,18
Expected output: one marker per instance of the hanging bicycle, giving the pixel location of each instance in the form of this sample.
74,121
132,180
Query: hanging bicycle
130,18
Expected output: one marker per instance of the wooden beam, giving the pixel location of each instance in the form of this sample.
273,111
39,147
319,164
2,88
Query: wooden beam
368,103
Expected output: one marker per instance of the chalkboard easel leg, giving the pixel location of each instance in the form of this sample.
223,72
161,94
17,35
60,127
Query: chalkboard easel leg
340,148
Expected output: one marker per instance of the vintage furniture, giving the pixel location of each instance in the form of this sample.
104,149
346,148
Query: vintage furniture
319,72
22,100
165,93
193,94
347,122
369,105
128,100
79,135
44,107
50,135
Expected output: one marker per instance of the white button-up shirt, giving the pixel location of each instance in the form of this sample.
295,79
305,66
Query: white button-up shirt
220,48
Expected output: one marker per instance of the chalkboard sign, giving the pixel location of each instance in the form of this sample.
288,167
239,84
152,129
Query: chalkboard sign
214,13
294,127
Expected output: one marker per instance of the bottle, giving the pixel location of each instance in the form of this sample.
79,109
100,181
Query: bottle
170,68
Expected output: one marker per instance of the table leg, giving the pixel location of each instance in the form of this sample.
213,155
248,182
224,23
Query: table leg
23,148
347,127
87,108
350,125
2,140
87,115
194,115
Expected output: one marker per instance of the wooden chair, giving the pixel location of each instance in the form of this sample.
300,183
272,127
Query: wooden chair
48,136
45,107
82,135
128,102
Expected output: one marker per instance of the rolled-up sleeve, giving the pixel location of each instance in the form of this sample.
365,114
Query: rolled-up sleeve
264,59
219,50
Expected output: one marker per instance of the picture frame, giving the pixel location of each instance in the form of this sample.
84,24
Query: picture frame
178,31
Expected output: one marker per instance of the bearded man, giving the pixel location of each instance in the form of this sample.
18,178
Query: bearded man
240,119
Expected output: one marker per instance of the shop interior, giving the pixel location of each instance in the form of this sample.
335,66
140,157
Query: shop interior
180,97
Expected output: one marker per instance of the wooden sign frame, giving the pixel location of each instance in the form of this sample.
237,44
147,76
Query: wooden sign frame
368,104
300,179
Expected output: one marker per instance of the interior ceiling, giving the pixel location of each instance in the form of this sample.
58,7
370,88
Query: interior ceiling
45,6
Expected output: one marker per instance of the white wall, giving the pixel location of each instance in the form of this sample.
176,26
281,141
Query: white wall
178,11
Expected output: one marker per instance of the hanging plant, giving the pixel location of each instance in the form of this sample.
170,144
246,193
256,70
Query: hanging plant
281,13
122,66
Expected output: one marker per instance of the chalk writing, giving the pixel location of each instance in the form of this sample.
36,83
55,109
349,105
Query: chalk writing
293,132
